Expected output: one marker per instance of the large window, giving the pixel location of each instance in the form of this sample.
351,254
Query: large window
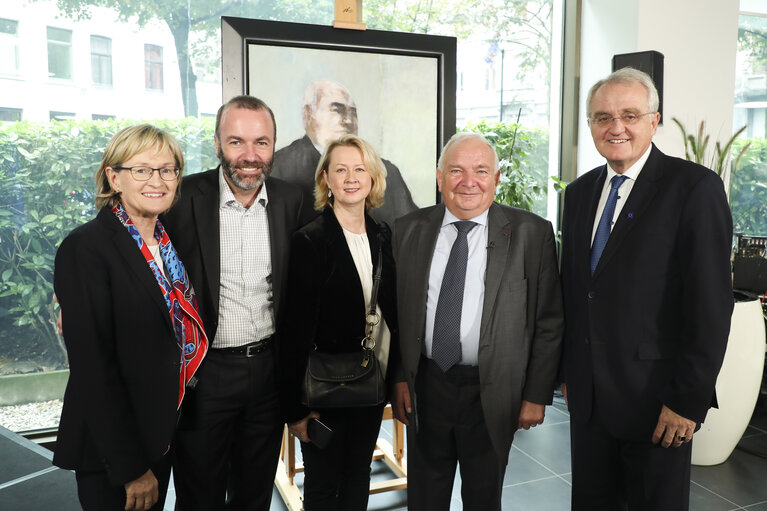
748,190
9,46
59,53
101,60
153,67
508,57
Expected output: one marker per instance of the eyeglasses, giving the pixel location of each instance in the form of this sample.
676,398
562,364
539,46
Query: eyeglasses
627,119
141,173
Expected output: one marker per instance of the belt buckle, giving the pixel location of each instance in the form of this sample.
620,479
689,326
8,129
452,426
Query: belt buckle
252,350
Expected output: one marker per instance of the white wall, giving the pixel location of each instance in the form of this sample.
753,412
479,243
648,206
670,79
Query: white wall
699,41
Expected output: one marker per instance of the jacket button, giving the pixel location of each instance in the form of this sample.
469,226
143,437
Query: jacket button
590,295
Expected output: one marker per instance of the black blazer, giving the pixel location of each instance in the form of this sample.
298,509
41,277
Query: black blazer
193,225
325,303
650,327
120,402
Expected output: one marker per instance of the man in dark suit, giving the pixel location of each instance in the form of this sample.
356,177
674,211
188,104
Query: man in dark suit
232,228
646,280
480,340
329,112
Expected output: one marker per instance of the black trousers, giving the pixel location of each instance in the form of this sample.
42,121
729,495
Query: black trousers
451,431
613,474
228,441
96,493
337,478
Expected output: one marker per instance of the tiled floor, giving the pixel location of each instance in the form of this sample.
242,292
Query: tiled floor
538,474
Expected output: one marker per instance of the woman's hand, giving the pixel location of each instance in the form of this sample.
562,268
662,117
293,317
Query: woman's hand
142,493
299,429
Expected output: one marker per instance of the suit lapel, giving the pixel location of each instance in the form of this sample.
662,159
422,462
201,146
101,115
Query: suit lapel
422,250
645,188
134,261
499,238
205,208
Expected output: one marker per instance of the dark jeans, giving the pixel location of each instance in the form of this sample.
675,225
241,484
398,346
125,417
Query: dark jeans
228,441
337,478
96,493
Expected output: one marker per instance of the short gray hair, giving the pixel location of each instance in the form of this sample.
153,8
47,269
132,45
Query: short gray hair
462,136
627,75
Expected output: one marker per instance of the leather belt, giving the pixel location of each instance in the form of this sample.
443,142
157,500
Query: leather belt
248,350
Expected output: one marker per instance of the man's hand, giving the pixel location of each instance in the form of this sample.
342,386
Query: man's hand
530,415
564,393
672,429
400,402
141,494
300,429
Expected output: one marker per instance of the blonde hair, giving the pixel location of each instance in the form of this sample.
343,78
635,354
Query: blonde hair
373,165
127,143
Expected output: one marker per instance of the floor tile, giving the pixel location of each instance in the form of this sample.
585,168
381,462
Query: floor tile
551,494
549,444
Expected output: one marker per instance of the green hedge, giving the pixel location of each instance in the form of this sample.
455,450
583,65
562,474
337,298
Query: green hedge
46,189
524,168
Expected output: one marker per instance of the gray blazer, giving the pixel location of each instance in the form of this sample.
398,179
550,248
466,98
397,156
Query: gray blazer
522,322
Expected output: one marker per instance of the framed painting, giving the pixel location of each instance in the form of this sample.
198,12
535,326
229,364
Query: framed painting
394,90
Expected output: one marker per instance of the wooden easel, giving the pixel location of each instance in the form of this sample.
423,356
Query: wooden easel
349,15
392,454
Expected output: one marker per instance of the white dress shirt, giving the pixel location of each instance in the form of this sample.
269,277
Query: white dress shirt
474,289
623,192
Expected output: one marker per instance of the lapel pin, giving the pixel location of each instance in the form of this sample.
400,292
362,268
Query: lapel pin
630,215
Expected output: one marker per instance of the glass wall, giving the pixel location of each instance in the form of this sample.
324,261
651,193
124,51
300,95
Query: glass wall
748,187
73,73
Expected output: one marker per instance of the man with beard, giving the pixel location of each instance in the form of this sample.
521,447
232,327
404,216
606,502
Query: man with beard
232,228
329,112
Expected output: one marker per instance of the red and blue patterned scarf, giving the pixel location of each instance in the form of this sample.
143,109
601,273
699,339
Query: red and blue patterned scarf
179,297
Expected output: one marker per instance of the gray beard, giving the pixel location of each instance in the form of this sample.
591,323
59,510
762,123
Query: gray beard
249,183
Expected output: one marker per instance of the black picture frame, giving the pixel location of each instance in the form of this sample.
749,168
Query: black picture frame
406,123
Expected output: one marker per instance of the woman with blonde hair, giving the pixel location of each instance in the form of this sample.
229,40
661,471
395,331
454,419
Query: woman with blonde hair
330,286
131,328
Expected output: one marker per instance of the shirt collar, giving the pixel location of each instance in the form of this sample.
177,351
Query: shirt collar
634,170
226,197
480,219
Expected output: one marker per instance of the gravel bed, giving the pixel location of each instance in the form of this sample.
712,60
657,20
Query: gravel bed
44,414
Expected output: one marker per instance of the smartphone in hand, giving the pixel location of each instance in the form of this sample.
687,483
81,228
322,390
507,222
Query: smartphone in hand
319,433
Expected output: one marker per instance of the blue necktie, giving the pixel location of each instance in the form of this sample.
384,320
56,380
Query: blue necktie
604,227
446,341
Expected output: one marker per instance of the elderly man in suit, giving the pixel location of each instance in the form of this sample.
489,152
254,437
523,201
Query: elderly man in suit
329,112
232,228
480,330
648,299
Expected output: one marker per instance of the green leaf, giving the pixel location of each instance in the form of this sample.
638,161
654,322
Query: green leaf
48,219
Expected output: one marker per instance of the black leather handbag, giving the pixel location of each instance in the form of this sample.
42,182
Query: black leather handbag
348,380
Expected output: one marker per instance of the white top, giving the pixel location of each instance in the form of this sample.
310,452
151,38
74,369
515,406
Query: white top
155,251
623,192
473,291
245,307
360,250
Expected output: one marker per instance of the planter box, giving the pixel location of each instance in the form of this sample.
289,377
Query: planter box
18,389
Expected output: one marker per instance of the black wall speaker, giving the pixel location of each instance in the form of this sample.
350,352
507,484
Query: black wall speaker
651,62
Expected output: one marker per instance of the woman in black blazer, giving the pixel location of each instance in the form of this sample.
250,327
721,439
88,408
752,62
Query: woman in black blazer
332,260
131,328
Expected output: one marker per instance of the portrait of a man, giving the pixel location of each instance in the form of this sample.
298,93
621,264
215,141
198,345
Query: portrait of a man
329,112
